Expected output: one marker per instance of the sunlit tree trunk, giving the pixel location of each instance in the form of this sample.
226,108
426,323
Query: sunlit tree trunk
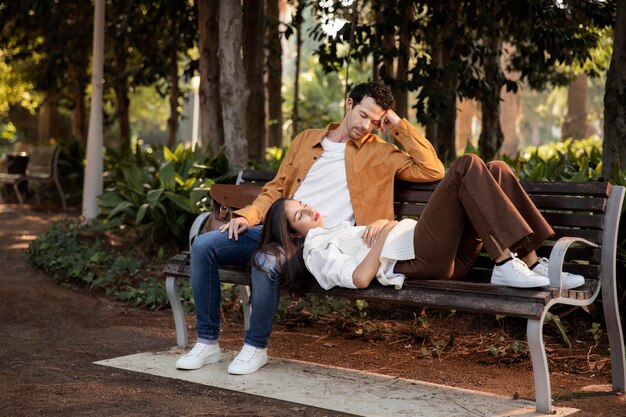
254,18
233,87
466,113
575,125
614,149
211,128
48,118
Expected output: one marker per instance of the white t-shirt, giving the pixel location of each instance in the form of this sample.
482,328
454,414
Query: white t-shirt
325,187
332,254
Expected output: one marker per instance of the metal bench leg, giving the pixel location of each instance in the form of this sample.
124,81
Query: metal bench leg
58,184
616,337
244,292
177,309
17,192
543,394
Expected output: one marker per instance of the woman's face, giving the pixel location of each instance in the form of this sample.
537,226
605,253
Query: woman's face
301,217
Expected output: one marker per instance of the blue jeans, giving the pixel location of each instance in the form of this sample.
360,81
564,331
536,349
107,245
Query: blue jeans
213,249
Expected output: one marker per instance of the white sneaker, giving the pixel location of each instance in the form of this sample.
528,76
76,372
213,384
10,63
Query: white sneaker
201,354
515,273
569,280
248,361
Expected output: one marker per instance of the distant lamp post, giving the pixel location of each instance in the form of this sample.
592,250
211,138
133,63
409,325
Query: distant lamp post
195,86
92,183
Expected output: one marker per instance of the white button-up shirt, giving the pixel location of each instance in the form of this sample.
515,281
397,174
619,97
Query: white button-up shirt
332,255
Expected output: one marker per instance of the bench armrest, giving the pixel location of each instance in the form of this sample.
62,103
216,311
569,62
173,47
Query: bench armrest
197,226
557,256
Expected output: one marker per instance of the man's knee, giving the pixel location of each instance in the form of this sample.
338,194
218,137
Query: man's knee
206,243
499,168
466,162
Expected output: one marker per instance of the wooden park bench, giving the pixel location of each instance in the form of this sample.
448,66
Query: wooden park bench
42,167
584,216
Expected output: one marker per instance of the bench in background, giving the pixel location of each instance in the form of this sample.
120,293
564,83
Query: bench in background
41,167
585,215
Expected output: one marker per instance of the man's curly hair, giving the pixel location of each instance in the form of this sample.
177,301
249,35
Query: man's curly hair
378,91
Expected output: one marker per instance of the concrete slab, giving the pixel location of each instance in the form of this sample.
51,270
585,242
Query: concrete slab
338,389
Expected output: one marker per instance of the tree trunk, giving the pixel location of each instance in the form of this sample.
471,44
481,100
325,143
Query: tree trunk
172,121
442,94
295,117
614,149
233,87
510,108
121,96
575,125
401,93
445,132
48,118
211,127
274,75
77,95
491,136
466,112
254,19
446,129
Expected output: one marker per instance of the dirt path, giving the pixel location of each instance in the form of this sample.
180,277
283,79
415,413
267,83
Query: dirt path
50,335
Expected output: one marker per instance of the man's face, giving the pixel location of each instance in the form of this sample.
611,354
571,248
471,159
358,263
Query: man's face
364,117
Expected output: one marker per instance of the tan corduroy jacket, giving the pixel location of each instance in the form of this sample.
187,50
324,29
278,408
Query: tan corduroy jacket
372,164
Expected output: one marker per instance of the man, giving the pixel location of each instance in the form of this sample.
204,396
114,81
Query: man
347,173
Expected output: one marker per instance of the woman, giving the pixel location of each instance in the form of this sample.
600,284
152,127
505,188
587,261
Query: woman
475,204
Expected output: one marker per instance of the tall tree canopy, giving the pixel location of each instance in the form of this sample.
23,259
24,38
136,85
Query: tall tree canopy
455,51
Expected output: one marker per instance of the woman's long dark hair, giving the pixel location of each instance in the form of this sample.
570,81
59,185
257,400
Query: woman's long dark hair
280,241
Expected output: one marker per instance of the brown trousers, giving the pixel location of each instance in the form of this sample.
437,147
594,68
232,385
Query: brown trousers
475,204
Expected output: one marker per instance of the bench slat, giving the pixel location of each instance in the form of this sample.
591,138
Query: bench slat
569,203
598,189
574,219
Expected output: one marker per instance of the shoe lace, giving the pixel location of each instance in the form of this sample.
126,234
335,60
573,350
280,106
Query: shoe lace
198,349
247,353
519,265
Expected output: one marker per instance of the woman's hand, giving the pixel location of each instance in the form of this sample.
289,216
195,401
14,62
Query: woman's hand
372,231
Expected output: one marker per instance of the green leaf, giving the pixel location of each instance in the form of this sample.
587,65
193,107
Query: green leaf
168,155
168,176
180,201
196,195
536,173
121,208
109,199
141,213
154,196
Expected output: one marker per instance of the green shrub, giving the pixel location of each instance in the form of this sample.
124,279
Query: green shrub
158,192
74,254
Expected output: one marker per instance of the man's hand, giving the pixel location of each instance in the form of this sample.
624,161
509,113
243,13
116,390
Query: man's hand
372,231
235,226
389,121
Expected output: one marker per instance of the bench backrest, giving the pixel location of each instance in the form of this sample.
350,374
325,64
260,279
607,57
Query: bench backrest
42,162
572,209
